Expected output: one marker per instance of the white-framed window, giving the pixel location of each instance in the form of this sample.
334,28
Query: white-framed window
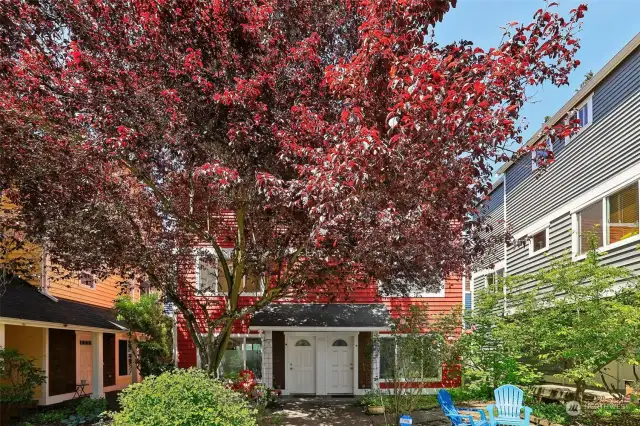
538,155
413,291
87,280
243,353
409,358
584,113
211,280
493,280
612,220
539,241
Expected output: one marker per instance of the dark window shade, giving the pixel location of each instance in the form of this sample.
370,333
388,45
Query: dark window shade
623,214
62,361
123,358
590,224
109,359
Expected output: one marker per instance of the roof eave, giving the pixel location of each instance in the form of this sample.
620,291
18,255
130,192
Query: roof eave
581,94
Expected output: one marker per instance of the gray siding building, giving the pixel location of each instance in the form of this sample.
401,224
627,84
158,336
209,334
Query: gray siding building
592,185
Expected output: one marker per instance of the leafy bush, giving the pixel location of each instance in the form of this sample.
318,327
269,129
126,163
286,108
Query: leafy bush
183,397
469,393
18,377
87,410
555,413
146,317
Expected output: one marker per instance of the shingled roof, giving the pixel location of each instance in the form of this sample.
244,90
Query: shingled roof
22,301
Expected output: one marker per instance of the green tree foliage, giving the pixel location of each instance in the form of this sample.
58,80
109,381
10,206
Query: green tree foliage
415,352
491,355
18,377
180,398
150,330
581,316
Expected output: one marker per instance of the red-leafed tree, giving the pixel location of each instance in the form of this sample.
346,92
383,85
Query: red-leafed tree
317,137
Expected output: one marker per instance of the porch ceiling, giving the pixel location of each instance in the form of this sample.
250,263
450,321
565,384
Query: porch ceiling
22,301
334,315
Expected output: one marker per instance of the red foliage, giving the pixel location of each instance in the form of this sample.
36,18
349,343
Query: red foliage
245,383
338,130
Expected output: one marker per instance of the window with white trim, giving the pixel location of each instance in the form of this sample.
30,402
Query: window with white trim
541,155
539,242
584,113
87,280
211,279
410,358
493,281
411,290
243,353
610,220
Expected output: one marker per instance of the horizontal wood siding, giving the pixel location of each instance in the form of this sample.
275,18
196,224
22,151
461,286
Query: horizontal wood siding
493,212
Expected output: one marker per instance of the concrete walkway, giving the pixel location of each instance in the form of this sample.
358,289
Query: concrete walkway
323,411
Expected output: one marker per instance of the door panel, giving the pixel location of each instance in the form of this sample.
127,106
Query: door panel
302,366
84,351
109,359
340,365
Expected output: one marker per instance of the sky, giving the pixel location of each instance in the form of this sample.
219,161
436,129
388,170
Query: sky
607,26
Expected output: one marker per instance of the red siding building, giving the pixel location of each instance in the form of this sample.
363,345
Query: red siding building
319,345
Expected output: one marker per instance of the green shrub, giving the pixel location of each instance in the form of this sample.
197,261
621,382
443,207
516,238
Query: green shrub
182,398
555,413
18,377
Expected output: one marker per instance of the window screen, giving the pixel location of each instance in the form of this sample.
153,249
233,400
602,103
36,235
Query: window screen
208,277
590,222
623,214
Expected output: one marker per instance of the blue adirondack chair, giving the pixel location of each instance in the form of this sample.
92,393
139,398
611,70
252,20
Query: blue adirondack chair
509,406
453,414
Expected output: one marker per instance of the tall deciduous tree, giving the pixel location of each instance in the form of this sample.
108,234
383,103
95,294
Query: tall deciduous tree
312,136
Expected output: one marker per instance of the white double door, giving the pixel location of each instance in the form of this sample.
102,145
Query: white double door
332,355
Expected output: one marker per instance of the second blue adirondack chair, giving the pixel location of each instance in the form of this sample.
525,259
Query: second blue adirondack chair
453,414
509,406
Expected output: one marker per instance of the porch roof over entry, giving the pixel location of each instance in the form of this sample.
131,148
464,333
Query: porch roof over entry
318,316
22,301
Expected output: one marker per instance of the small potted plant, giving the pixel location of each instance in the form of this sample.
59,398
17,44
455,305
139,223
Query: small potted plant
374,402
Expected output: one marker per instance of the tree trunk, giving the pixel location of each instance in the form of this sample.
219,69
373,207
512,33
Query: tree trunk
580,388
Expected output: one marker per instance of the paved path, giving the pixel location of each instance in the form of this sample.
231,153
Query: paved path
322,411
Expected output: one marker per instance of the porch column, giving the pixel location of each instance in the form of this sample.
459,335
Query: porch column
375,361
134,359
97,366
267,359
2,334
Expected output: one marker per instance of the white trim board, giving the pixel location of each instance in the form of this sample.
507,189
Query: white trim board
610,186
44,324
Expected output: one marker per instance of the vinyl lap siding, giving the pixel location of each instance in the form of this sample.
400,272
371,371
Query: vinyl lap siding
604,149
493,212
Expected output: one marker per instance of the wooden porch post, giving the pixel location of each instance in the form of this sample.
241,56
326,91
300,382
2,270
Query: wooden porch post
97,366
2,334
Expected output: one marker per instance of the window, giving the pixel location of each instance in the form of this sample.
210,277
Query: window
584,113
303,342
124,358
590,226
539,241
243,353
340,342
541,155
622,214
86,279
412,358
410,290
493,280
211,279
